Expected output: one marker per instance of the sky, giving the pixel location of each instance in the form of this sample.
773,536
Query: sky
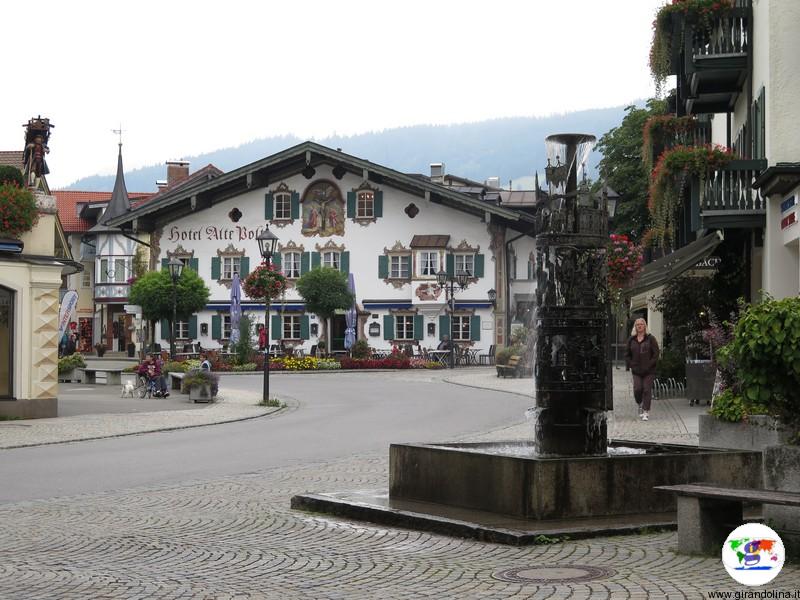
182,78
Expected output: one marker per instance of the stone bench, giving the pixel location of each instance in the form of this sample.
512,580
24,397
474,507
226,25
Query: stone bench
511,369
175,380
708,513
97,375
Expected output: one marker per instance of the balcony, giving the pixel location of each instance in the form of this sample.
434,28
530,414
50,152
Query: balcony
111,293
712,64
727,198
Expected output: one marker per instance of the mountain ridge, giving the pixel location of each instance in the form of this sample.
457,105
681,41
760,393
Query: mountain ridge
511,148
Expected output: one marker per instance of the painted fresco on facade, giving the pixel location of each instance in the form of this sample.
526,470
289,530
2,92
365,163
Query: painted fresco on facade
323,210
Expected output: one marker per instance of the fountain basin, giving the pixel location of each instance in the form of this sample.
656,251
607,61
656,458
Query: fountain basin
471,475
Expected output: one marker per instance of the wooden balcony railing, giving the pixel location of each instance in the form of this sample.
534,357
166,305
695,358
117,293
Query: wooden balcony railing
728,34
111,291
730,188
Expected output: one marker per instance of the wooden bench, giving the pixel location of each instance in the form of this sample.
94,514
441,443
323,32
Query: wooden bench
176,379
101,375
707,513
511,369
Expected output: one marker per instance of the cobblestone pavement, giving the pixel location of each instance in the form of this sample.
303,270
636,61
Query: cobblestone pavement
236,538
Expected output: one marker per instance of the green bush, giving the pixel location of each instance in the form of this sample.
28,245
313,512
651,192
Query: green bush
502,356
672,363
18,210
329,364
361,349
199,377
245,367
766,348
9,174
73,361
174,366
730,407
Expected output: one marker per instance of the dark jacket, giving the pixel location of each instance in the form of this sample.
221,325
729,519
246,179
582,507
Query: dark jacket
641,357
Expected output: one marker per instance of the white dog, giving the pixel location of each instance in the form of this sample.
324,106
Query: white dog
127,389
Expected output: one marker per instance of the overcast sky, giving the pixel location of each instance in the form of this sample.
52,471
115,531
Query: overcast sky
189,77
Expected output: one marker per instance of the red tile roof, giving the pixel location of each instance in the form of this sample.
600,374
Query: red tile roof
12,158
69,204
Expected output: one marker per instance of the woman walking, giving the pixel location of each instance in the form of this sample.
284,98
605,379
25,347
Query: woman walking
641,356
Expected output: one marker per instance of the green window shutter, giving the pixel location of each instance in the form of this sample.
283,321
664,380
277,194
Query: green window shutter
244,267
215,267
276,328
193,327
216,327
316,260
383,267
478,265
379,203
475,328
444,326
345,262
164,263
419,326
388,327
268,206
450,262
304,260
164,329
351,205
304,327
276,259
194,265
295,205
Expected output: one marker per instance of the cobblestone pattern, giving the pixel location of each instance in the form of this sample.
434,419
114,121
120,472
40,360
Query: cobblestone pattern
236,538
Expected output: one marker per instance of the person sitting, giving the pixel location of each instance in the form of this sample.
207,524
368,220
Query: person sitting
445,344
150,369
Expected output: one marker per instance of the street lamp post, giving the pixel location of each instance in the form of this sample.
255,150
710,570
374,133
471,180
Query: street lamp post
175,270
447,282
267,241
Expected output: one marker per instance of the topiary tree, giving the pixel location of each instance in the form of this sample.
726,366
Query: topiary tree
325,291
153,292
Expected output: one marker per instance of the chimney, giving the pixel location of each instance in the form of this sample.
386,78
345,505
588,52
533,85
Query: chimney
161,184
493,182
437,173
177,170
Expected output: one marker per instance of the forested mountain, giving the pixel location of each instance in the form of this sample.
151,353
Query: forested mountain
511,149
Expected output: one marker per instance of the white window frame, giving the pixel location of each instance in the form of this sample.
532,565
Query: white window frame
399,266
282,206
86,277
291,268
226,327
365,204
290,324
461,328
230,265
464,262
428,268
181,330
332,259
404,327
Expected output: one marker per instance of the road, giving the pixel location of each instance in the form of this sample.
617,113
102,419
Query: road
328,417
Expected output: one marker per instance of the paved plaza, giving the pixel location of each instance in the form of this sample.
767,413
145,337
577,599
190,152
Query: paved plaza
237,538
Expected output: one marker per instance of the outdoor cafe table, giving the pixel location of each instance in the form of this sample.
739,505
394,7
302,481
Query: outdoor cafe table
440,356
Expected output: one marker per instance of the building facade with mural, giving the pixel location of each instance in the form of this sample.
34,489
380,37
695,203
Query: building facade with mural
392,231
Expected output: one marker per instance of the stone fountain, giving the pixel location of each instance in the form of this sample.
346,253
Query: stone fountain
568,469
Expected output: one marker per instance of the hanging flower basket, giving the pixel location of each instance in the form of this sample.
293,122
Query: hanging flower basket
663,132
624,260
702,12
18,210
265,281
668,178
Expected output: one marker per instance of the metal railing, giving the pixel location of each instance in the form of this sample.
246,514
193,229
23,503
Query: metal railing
668,388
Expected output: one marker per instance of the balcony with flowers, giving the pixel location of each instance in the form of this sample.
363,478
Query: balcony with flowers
706,45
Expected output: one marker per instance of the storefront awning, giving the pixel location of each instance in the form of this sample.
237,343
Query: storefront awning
660,271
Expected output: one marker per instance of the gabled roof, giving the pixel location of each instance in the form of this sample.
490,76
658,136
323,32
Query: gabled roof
12,158
196,195
70,202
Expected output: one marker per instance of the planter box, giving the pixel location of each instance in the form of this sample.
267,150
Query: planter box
72,376
782,472
755,434
201,393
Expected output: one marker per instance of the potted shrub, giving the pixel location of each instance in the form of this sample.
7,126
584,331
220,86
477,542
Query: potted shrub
100,348
202,385
18,210
67,368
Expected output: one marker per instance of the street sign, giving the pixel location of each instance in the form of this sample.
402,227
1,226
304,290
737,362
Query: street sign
133,309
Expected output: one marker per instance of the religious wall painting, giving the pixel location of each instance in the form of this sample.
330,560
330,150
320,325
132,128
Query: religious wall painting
323,210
